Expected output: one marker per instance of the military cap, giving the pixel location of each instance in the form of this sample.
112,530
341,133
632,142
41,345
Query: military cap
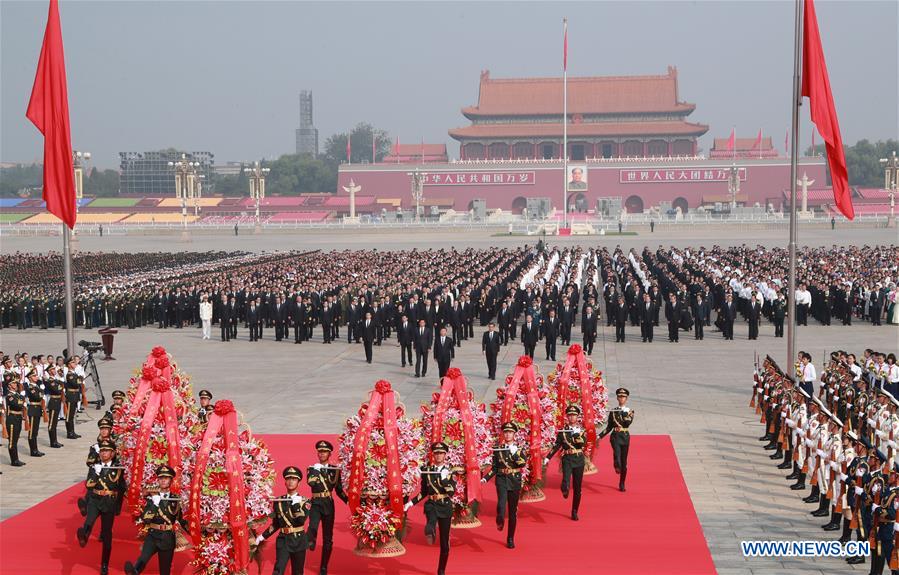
205,393
878,454
104,422
891,397
6,358
322,445
867,444
510,426
804,393
835,419
31,372
118,393
852,436
622,391
106,444
53,367
573,410
292,471
439,447
165,471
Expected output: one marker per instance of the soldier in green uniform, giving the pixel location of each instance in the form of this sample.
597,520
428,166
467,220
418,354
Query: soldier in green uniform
620,420
885,536
35,396
438,485
74,387
571,441
161,516
118,399
54,389
105,486
288,516
93,454
15,418
205,405
324,480
508,461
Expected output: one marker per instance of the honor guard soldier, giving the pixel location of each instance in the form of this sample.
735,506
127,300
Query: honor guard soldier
205,405
886,523
620,420
93,454
15,418
872,498
74,387
571,441
54,388
118,399
34,393
105,487
288,516
438,485
508,461
324,480
160,517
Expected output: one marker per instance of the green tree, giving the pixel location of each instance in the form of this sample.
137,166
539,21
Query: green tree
232,185
101,184
293,174
361,140
21,177
862,161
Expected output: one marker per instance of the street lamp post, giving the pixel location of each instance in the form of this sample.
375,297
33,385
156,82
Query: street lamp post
79,159
256,176
891,181
418,186
733,187
185,186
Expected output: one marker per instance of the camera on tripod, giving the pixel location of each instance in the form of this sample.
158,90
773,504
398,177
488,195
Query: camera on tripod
92,376
91,346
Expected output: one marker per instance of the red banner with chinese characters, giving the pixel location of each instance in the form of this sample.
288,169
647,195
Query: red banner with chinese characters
223,419
524,376
382,402
668,175
479,178
454,385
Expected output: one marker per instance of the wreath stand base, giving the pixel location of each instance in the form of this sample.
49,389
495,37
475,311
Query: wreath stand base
390,548
466,520
590,468
532,494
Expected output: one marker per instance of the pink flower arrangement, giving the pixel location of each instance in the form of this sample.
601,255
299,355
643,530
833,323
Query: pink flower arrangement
600,393
374,524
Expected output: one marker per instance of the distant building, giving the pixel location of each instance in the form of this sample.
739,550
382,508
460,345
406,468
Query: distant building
149,173
416,153
229,169
307,133
743,148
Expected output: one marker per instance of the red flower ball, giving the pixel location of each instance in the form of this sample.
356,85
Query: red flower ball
160,385
162,362
453,372
223,407
158,351
525,361
575,349
148,373
383,386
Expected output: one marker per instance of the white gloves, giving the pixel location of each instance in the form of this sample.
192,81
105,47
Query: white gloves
407,506
782,414
870,422
765,397
801,432
259,539
859,473
875,506
820,453
483,480
834,465
97,468
513,449
875,488
444,474
42,387
96,447
156,499
843,477
858,491
576,429
294,499
895,526
625,409
791,423
317,466
546,461
848,405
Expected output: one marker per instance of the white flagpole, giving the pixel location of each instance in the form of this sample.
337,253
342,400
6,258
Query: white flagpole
794,157
67,272
565,127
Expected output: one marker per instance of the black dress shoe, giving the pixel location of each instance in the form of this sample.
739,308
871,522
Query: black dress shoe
831,527
129,568
312,545
797,486
500,523
56,445
565,493
765,438
775,455
18,463
37,454
82,537
510,544
855,560
104,569
771,446
574,516
820,513
785,465
621,487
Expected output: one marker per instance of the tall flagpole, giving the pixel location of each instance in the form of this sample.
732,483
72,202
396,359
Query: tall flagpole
67,272
565,126
794,168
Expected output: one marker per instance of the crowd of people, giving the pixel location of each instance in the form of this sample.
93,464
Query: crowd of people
840,439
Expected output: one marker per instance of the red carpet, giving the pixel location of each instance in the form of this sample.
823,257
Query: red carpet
652,528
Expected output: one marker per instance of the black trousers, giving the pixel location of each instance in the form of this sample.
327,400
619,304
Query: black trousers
327,523
226,331
551,348
697,329
72,407
53,408
619,334
34,418
233,328
589,340
279,330
14,430
753,329
646,331
442,525
406,353
504,333
350,331
297,333
443,366
802,314
255,331
621,443
529,349
294,551
165,550
421,363
574,476
367,343
507,499
491,365
672,331
106,520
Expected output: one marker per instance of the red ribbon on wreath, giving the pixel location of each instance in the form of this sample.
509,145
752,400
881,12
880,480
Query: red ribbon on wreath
382,402
576,357
224,419
161,401
156,365
524,374
454,385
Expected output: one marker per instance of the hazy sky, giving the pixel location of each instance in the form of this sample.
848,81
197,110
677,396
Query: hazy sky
225,76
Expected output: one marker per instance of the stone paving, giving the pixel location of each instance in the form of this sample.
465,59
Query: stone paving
696,392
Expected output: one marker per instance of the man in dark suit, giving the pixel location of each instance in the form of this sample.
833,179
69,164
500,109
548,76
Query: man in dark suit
754,314
444,351
490,346
588,327
530,333
551,328
225,319
566,320
699,313
353,314
279,312
454,318
253,321
296,318
728,314
327,317
620,314
779,313
647,317
672,315
422,340
404,335
504,317
368,335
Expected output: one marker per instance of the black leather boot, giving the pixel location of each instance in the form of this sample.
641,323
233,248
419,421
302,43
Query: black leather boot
814,496
800,482
847,532
834,522
788,456
796,472
778,453
822,510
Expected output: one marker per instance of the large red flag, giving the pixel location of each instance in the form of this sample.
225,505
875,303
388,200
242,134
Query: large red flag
816,86
48,110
